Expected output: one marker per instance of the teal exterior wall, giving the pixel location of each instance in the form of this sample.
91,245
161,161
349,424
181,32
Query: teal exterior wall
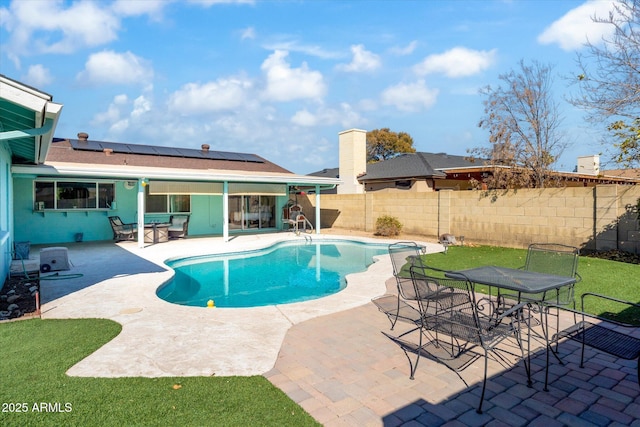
53,227
6,211
62,226
205,219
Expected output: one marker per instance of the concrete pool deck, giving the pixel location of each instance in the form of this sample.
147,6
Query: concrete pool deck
119,282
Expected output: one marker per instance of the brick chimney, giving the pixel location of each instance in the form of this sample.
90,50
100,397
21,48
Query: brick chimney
353,160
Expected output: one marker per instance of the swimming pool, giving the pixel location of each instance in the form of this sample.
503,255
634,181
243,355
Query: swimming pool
283,273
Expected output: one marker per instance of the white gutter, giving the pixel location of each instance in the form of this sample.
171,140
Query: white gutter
51,114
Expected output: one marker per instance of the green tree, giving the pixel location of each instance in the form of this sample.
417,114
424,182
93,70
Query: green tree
609,81
524,129
383,144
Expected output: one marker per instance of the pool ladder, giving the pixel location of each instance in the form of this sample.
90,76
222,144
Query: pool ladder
306,224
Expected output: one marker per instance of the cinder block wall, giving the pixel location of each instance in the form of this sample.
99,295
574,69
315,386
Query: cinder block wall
602,217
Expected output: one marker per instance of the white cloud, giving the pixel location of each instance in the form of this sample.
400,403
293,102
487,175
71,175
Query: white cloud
45,26
410,96
248,33
285,83
114,111
457,62
295,46
117,68
405,50
363,60
38,75
345,116
207,3
222,94
304,118
153,8
141,105
576,26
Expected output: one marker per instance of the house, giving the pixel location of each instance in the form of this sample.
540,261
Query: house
424,172
65,190
83,181
28,119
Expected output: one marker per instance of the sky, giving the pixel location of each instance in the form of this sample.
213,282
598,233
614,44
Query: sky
281,79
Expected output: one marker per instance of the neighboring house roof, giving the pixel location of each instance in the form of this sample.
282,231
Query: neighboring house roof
623,173
79,157
409,165
327,173
28,119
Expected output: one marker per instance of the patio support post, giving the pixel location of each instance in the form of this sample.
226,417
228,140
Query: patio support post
141,184
317,209
225,211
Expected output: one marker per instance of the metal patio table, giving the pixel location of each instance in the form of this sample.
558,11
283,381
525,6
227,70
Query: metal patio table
522,282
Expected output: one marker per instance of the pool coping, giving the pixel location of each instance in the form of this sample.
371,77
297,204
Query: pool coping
164,339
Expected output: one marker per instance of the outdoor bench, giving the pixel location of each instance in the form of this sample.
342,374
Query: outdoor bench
618,339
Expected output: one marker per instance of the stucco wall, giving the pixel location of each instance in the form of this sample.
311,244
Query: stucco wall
603,217
52,227
58,227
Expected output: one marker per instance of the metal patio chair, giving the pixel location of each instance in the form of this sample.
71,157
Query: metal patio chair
403,255
548,258
449,309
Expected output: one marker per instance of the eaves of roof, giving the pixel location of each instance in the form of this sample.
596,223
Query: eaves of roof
126,172
28,118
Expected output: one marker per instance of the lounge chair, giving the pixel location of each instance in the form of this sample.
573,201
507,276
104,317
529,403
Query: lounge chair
179,226
122,231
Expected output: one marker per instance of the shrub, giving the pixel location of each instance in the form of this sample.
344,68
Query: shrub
387,225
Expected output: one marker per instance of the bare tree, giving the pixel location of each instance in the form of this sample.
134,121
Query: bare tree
524,129
609,80
383,144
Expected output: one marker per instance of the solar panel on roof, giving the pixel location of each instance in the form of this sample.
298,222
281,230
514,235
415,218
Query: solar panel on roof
164,151
250,158
214,155
231,156
142,149
154,150
117,148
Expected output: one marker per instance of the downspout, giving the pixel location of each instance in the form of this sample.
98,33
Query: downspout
225,211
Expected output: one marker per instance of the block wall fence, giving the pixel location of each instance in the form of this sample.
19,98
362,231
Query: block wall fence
593,218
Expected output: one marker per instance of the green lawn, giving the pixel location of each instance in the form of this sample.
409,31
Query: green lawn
612,278
36,353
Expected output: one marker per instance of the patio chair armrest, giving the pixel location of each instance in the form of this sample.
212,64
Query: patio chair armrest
591,295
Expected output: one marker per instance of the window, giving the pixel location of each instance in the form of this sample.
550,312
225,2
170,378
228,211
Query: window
167,203
64,195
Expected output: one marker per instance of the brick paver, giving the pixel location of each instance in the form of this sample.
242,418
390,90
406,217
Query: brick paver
343,371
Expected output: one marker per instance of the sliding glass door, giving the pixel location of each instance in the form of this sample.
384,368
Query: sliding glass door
251,212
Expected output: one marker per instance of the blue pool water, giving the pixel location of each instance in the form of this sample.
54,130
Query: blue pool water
283,273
